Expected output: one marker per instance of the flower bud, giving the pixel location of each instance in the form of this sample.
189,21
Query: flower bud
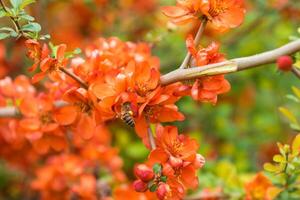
199,161
144,172
284,63
175,162
162,191
140,186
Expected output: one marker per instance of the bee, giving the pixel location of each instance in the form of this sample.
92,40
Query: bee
127,114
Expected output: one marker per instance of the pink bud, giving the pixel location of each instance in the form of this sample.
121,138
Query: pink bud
144,172
199,161
140,186
162,191
175,162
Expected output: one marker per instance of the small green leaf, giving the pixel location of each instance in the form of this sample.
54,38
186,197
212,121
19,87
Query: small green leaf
288,115
270,167
163,179
6,29
32,27
157,168
4,35
296,91
26,3
77,51
2,13
153,188
45,37
26,17
296,144
16,3
295,127
279,158
293,98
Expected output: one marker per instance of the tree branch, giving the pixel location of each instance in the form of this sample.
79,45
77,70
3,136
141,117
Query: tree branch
230,66
74,77
296,72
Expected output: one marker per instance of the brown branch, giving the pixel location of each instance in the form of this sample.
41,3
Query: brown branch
231,66
296,72
73,76
13,112
200,31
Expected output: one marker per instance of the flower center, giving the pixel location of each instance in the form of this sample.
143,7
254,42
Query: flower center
217,7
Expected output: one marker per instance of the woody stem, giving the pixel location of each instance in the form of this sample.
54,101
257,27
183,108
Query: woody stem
187,58
74,77
231,66
296,72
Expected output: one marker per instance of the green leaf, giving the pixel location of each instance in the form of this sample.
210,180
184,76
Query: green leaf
77,51
296,144
163,179
32,27
7,29
2,13
296,91
157,168
26,3
270,167
293,98
153,188
279,158
4,35
27,17
16,3
288,115
45,37
295,127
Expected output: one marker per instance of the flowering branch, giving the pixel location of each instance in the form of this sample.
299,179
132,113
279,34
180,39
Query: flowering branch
230,66
74,77
187,58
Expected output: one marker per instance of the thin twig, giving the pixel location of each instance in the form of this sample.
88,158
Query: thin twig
151,138
73,76
296,72
200,31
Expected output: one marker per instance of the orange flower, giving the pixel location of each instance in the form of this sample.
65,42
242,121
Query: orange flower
222,14
178,154
207,89
50,66
258,188
82,109
36,52
41,127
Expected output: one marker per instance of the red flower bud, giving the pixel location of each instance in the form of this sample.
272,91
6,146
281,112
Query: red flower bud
144,172
140,186
175,162
284,63
162,191
199,161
